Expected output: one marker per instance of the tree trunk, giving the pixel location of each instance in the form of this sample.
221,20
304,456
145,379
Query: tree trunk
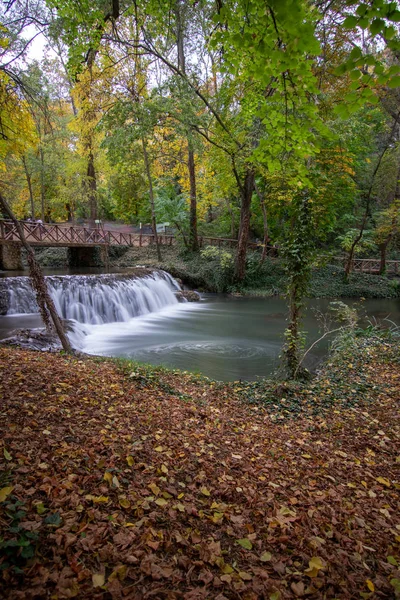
180,34
151,194
246,195
42,194
298,251
293,345
29,182
92,188
179,228
44,300
194,242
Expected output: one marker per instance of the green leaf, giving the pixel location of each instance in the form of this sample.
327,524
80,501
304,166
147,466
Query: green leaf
245,543
356,74
7,455
355,53
394,82
394,16
376,26
361,9
350,22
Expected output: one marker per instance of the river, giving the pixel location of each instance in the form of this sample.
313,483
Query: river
224,337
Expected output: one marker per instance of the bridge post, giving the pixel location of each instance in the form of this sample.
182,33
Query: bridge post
10,256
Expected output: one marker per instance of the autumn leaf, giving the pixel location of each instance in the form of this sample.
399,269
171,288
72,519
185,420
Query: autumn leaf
370,585
97,499
40,509
245,543
384,481
108,477
154,488
314,566
98,580
124,502
130,460
161,502
4,492
297,588
265,556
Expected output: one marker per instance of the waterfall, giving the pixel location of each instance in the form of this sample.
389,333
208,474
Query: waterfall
94,299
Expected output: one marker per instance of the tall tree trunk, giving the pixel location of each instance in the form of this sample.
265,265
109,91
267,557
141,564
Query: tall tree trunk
151,195
92,188
44,300
193,238
298,251
42,194
180,34
29,182
246,195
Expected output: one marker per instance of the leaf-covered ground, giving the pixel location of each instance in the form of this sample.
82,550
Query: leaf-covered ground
122,482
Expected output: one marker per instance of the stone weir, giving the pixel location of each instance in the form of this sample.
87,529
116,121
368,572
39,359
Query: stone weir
95,299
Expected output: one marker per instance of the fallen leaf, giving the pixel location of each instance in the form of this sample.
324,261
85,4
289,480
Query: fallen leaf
161,502
4,492
370,585
245,543
98,580
384,481
265,556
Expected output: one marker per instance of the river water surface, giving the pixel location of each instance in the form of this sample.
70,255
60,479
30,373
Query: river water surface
224,337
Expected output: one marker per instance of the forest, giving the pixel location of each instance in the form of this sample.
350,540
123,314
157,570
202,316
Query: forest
274,123
273,128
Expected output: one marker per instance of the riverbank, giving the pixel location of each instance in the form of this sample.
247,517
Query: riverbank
214,273
118,480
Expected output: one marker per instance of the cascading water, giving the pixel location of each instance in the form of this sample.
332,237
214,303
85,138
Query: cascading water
95,300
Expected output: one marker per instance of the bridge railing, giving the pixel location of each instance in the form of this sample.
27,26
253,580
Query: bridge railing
370,265
70,235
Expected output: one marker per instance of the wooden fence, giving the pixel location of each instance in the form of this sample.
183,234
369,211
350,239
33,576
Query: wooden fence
370,265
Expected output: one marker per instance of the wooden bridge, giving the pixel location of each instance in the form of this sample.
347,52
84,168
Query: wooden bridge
48,235
72,236
82,241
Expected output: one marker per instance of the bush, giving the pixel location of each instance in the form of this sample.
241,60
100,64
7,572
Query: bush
328,282
216,268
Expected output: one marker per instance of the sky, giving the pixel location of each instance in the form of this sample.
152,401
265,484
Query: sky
36,50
